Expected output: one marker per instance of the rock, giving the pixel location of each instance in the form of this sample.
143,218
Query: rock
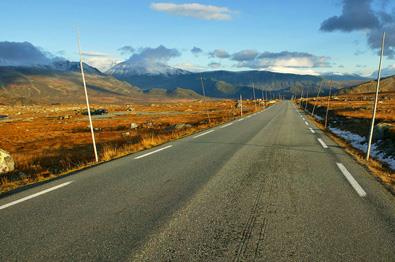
64,117
149,124
182,126
134,126
126,134
7,164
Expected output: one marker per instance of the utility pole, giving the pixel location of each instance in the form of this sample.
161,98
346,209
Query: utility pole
263,98
327,106
86,97
318,94
253,93
204,95
241,105
307,97
301,96
376,98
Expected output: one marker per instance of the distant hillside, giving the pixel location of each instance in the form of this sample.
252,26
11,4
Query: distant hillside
25,85
227,84
175,93
386,85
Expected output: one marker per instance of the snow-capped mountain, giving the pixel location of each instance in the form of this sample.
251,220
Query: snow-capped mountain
68,66
343,77
127,68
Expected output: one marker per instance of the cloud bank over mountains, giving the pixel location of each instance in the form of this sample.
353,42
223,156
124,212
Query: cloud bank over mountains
157,59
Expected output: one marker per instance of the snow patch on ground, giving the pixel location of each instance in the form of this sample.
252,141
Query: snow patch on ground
318,118
360,143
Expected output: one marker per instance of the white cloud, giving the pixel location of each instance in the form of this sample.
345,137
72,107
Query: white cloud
190,67
99,60
291,70
205,12
285,59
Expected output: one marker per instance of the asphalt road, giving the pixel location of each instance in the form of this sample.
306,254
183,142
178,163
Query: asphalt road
264,188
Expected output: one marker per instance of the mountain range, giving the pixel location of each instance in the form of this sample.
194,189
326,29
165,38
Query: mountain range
228,84
60,82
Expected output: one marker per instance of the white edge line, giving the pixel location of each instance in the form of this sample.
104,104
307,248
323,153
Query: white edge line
322,143
312,131
226,125
306,123
35,195
351,180
241,119
153,152
205,133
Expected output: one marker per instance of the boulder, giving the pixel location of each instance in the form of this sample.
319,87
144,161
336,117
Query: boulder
182,126
7,164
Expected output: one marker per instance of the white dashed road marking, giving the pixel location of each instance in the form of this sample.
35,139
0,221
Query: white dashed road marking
35,195
351,180
153,152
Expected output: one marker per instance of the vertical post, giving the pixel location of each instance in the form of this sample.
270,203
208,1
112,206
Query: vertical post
307,97
301,97
86,97
318,94
253,93
241,105
263,98
376,98
204,95
327,106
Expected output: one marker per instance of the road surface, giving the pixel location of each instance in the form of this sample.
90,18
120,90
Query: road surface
270,187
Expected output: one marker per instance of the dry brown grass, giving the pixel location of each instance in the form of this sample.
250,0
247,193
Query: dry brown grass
45,146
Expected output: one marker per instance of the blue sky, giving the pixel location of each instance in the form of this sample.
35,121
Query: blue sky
286,32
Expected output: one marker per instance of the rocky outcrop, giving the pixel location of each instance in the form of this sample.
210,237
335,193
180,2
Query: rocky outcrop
7,164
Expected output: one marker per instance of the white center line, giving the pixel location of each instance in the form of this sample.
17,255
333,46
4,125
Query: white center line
205,133
226,125
153,152
351,180
311,130
322,143
34,195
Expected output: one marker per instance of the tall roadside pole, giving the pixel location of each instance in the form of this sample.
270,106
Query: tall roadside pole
204,95
301,97
328,104
376,98
253,93
87,99
318,94
241,105
307,97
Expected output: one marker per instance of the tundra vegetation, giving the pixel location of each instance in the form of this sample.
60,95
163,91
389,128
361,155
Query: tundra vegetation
47,141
